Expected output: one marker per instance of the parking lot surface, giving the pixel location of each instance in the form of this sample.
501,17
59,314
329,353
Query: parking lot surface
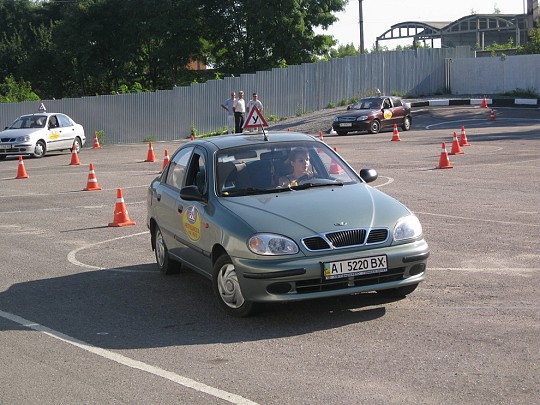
86,317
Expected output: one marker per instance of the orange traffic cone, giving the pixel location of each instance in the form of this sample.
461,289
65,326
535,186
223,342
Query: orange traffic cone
192,137
21,171
150,157
335,168
492,115
321,136
456,149
395,135
165,160
121,217
74,156
96,142
444,161
463,138
484,103
92,183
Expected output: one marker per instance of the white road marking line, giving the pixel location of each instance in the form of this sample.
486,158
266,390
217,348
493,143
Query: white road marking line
126,361
388,181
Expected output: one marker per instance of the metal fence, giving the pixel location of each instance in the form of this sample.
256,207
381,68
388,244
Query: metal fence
170,114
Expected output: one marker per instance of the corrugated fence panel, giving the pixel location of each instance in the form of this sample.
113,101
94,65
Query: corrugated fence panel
284,92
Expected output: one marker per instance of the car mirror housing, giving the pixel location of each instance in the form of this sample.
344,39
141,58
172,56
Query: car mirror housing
191,193
369,175
348,107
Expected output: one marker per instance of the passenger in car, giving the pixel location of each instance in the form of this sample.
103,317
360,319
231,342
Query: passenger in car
299,161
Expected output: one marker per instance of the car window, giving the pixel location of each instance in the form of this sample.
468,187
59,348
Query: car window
397,102
263,168
64,121
177,168
53,122
197,173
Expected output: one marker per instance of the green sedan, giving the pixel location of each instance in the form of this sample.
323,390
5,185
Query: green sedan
274,217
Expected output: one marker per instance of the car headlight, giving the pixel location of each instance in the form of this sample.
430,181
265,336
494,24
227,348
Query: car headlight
407,228
24,138
271,245
362,118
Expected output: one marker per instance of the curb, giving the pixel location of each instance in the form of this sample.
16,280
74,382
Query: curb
495,102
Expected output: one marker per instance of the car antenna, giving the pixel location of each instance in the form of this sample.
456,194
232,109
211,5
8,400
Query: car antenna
265,137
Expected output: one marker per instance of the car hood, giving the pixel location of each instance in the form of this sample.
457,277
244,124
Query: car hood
317,210
14,133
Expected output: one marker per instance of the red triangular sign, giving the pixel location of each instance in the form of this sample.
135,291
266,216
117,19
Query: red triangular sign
255,119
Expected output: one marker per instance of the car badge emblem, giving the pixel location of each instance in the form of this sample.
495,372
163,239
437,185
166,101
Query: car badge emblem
342,223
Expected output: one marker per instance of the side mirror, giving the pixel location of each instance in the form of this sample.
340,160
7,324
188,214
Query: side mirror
191,193
369,175
348,107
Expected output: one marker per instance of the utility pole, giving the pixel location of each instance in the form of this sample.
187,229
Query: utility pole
361,17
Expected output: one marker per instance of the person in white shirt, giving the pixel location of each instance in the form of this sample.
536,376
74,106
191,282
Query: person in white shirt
228,106
239,108
255,102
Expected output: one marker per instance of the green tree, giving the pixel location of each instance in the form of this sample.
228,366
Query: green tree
13,91
344,50
533,44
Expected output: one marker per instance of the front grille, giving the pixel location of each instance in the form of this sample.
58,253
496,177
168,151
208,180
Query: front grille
319,284
351,237
7,139
346,238
347,119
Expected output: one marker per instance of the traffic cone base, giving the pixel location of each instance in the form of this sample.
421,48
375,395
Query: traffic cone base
456,149
492,115
21,170
150,156
74,157
444,161
92,183
121,216
395,135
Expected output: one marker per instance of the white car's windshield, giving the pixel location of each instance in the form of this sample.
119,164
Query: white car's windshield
29,121
281,166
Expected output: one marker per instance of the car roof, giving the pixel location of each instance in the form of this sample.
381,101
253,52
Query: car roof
41,113
229,141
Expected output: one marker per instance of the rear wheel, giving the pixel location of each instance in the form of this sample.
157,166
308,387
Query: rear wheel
227,288
166,265
39,149
398,292
374,127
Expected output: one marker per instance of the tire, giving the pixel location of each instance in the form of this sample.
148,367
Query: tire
398,292
166,265
39,150
374,127
77,144
2,157
341,133
406,124
228,291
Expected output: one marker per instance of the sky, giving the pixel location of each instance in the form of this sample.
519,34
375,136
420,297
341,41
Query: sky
379,16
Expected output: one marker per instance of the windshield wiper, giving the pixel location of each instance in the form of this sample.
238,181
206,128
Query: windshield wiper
304,186
247,191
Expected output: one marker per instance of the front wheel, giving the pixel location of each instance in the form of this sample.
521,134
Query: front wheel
39,149
77,144
406,124
227,289
398,292
374,127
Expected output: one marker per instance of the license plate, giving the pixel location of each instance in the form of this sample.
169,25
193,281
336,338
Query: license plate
345,124
355,267
5,146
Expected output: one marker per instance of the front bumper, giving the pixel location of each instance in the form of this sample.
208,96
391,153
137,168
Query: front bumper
302,278
17,149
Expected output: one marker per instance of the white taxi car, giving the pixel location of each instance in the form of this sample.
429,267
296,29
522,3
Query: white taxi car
37,134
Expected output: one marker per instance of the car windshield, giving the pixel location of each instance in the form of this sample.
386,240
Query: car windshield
29,121
368,104
280,167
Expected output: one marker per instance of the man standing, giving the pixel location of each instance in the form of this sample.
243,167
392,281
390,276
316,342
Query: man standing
255,102
228,105
239,108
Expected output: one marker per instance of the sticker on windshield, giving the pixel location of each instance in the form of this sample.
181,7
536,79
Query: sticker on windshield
387,114
191,220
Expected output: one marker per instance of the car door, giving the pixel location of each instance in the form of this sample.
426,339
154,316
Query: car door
199,231
388,117
398,111
167,211
67,130
54,140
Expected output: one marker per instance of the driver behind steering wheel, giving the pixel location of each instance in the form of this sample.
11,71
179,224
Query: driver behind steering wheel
299,160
